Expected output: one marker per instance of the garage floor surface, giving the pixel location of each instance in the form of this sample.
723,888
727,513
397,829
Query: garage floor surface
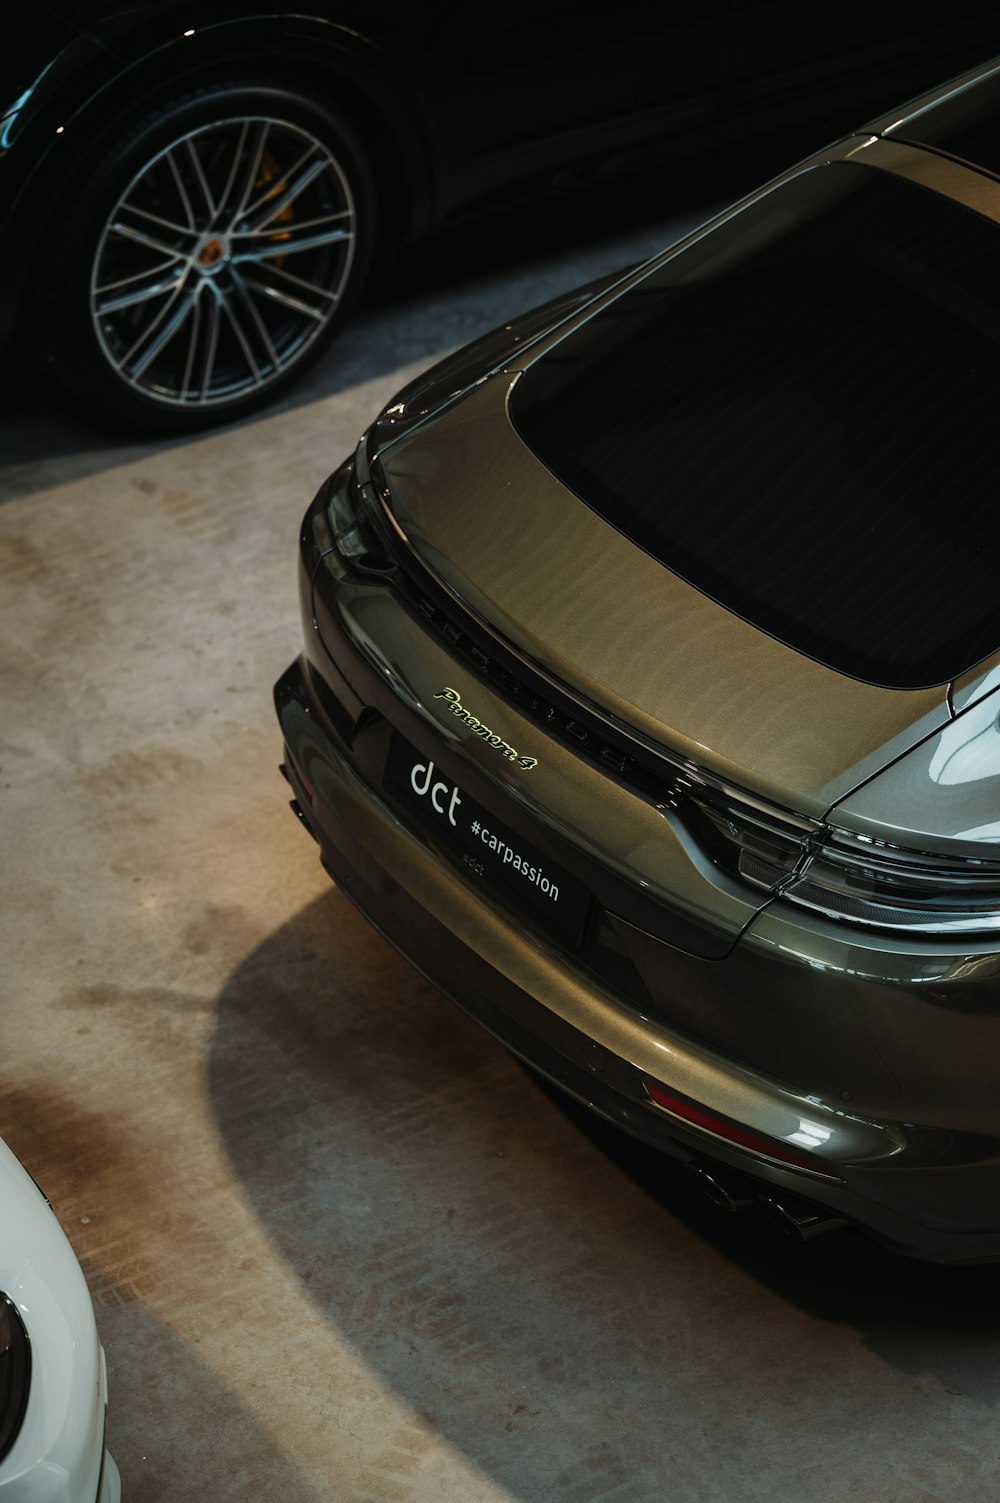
342,1248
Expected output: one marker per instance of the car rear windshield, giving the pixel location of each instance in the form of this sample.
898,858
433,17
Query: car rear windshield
799,416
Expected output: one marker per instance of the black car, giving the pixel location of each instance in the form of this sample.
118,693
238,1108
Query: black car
191,195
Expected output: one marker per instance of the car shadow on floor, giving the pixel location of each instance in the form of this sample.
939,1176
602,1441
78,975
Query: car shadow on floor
154,1372
511,1265
918,1316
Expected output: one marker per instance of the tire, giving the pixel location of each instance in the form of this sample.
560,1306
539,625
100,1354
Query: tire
205,258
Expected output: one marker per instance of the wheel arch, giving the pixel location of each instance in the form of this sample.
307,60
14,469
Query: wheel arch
69,124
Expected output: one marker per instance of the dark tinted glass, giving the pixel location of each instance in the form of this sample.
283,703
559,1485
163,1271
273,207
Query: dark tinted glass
799,416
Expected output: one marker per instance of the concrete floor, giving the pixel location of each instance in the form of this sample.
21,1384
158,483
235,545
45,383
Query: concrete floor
343,1248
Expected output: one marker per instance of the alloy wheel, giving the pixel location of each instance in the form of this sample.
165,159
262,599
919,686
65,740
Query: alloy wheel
224,259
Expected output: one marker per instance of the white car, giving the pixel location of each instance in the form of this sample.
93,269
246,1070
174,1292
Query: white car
53,1381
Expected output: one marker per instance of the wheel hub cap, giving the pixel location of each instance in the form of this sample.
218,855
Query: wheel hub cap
211,255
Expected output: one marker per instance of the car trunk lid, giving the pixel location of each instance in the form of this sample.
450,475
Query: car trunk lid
623,635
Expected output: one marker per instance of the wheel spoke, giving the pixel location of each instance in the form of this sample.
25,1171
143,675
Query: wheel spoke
320,222
304,283
244,343
137,276
143,237
182,191
243,132
146,347
192,345
167,224
254,315
291,244
141,294
201,179
213,319
285,189
147,331
288,300
245,170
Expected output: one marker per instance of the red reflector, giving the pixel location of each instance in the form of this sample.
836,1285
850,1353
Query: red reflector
769,1147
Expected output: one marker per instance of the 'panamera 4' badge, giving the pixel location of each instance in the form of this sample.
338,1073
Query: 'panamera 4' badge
455,705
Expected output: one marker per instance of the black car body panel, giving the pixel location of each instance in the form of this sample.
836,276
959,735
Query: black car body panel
459,105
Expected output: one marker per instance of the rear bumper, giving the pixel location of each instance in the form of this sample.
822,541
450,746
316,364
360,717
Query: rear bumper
926,1191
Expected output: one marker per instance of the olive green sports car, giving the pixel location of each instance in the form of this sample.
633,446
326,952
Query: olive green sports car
650,696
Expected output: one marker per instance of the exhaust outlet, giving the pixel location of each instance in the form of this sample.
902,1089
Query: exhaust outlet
799,1218
727,1191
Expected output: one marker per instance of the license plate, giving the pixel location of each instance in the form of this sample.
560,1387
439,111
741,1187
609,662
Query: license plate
488,849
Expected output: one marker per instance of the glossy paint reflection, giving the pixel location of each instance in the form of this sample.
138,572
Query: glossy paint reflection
943,794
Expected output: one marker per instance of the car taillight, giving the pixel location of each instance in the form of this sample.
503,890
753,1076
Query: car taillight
860,880
349,514
754,842
852,878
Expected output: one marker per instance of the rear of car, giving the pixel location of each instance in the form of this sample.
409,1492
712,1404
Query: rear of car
648,697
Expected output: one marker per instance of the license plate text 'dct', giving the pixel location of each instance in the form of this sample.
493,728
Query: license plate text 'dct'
488,849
